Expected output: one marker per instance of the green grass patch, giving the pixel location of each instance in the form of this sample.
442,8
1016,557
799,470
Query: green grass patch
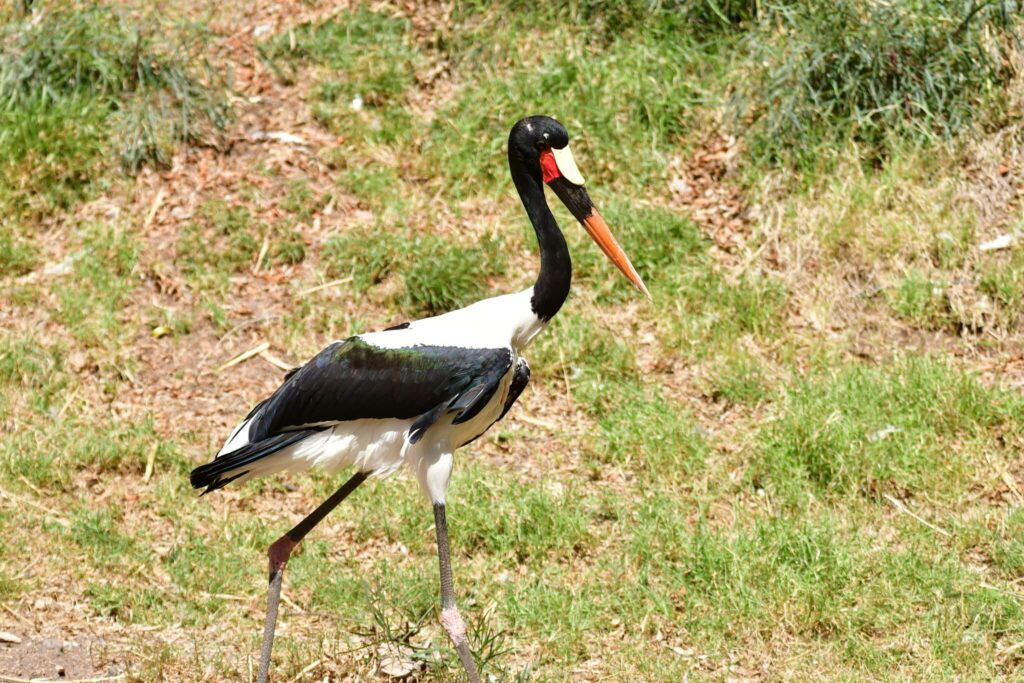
225,239
739,378
544,524
1001,278
438,274
909,427
628,100
83,84
368,56
18,255
102,268
647,433
27,362
921,301
871,74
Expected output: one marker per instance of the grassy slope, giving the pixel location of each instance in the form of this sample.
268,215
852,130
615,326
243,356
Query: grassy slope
802,458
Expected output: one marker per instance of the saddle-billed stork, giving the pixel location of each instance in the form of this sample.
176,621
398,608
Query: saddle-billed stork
414,393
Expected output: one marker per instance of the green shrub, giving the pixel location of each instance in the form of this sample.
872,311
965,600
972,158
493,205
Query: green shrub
870,72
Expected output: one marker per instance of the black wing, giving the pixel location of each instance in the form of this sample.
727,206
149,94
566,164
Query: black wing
353,380
519,381
225,469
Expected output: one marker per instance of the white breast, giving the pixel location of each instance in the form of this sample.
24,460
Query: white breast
493,323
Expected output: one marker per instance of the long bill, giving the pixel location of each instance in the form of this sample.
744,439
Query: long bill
577,200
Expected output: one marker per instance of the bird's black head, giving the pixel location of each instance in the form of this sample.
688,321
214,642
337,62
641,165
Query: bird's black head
539,145
534,134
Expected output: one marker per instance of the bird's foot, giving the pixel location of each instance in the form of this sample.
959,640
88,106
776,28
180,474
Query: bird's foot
452,622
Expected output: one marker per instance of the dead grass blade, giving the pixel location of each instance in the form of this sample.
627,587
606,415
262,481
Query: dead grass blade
276,362
904,509
326,285
245,355
31,503
157,202
302,674
150,462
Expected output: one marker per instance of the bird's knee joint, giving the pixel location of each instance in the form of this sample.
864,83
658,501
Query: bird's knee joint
452,622
279,552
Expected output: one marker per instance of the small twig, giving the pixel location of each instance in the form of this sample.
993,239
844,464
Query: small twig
150,462
67,403
276,362
288,601
1011,484
14,614
1009,650
246,355
24,480
535,422
1013,594
903,508
246,323
262,255
565,373
305,671
326,285
225,596
28,567
153,209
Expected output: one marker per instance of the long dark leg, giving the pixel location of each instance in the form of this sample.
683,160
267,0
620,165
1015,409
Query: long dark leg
450,617
279,553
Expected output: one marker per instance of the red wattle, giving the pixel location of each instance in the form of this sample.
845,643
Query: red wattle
548,167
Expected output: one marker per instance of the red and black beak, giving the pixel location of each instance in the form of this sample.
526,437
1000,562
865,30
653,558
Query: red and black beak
576,199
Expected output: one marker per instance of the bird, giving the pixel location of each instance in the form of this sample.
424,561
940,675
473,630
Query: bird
412,394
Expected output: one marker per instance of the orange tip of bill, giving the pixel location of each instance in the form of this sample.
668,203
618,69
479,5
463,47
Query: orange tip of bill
601,234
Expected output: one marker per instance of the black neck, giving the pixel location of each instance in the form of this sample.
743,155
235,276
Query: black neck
552,286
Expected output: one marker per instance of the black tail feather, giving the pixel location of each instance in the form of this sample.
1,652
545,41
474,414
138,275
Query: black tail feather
223,470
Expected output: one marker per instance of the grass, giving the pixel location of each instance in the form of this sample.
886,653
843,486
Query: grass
436,276
873,74
82,84
799,459
874,432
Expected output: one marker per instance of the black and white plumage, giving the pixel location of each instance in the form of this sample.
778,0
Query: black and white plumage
414,393
411,394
